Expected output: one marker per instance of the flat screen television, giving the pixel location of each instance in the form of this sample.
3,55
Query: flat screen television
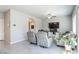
54,25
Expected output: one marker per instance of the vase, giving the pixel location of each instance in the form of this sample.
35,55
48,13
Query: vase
68,49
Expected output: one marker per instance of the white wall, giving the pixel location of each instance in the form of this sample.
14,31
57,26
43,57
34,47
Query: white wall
75,22
19,32
65,23
78,27
74,19
1,26
38,24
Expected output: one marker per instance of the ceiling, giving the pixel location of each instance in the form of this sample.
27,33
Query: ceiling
40,10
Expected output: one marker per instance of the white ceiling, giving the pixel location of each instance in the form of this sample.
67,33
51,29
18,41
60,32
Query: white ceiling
41,10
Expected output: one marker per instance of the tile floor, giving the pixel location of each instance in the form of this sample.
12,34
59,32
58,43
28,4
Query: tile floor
25,47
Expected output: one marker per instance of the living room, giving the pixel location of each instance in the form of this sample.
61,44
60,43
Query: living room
16,21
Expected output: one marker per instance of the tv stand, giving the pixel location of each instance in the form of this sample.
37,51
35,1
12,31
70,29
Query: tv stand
53,30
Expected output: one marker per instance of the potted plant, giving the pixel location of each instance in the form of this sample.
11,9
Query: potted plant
70,42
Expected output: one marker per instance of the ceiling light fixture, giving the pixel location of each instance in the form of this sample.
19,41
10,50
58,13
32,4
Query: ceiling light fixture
50,16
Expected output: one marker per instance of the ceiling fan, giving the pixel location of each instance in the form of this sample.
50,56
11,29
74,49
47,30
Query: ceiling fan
50,16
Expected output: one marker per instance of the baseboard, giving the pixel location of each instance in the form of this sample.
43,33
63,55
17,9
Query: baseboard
17,41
